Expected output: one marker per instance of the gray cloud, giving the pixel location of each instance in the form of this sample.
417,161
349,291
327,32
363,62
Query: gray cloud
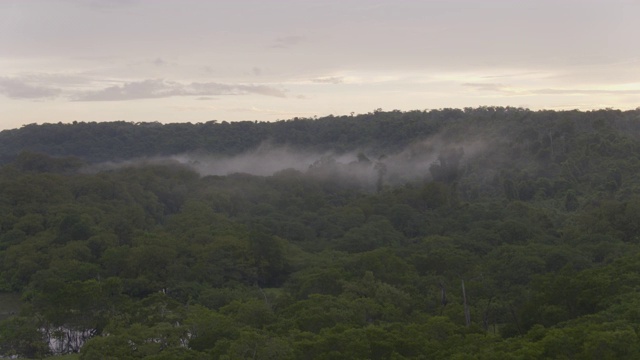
100,5
54,79
159,62
287,41
19,89
159,88
212,88
146,89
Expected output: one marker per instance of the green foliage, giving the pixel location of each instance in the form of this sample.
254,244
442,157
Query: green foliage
19,336
537,212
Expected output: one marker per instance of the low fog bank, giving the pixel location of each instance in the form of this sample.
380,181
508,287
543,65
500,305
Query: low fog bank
263,161
422,160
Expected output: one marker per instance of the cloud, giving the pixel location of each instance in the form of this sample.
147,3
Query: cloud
146,89
101,5
159,62
515,75
55,79
487,87
267,111
159,88
585,92
212,88
329,80
507,90
19,89
287,41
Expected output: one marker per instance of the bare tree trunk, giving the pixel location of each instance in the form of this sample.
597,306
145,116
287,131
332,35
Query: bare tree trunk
485,319
467,315
515,319
443,295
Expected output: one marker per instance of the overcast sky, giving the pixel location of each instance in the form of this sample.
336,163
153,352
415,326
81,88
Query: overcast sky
195,61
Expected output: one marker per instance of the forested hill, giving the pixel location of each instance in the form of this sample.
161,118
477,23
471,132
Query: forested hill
381,131
488,233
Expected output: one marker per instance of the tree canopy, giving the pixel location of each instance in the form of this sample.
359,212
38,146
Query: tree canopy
456,233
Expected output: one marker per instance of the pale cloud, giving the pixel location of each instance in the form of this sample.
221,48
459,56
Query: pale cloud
585,92
523,74
18,89
486,86
159,88
268,111
508,90
53,79
184,108
329,80
102,5
213,88
146,89
356,77
288,41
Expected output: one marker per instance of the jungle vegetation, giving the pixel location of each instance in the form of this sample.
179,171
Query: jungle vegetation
507,234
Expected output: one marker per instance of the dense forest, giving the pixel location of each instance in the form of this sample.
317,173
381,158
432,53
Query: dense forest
484,233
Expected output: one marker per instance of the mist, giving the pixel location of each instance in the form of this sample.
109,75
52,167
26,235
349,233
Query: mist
367,168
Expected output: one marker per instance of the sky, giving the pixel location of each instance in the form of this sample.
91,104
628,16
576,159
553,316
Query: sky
230,60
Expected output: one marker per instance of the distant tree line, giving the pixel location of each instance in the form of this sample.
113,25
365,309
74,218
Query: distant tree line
385,131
